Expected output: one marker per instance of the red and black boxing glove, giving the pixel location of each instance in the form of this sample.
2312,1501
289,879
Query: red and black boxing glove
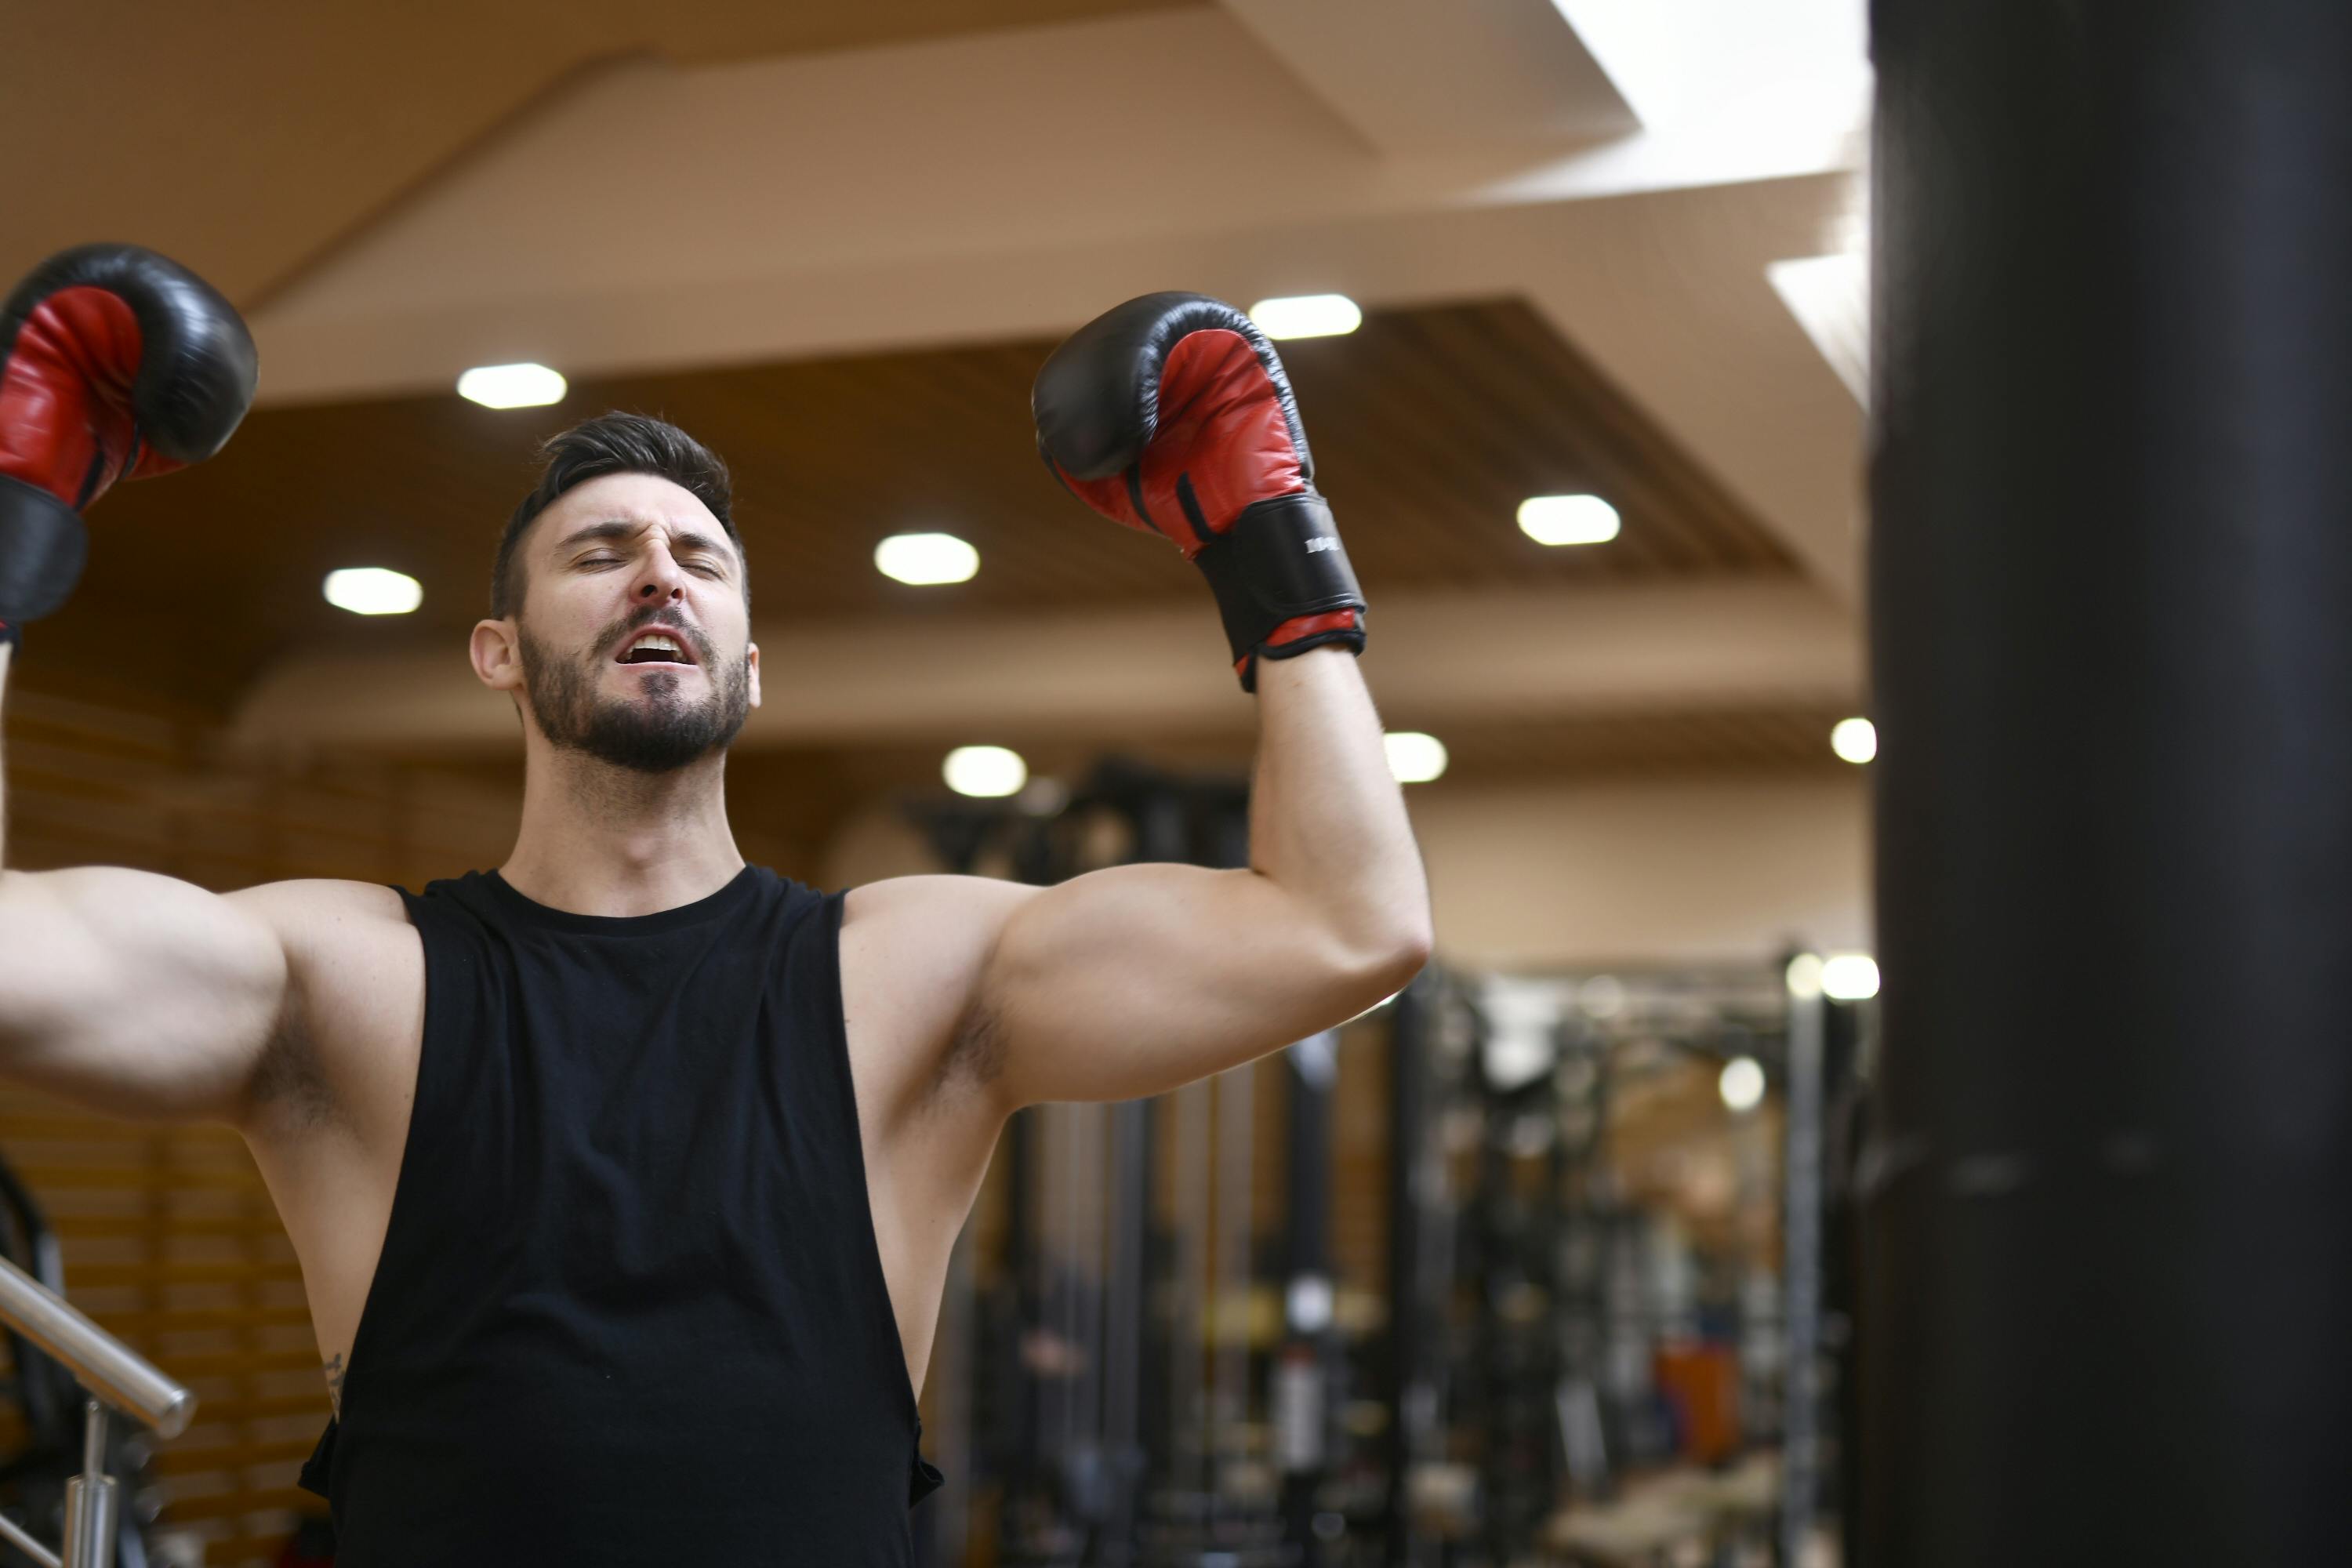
1172,414
115,364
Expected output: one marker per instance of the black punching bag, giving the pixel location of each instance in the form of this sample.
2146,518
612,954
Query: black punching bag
2108,1306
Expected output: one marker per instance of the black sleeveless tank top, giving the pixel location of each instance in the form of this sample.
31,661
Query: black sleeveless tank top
630,1308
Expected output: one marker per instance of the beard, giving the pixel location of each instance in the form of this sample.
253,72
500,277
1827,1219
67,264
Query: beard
658,732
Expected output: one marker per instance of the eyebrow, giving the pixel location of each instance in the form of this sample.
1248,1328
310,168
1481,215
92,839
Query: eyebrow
615,529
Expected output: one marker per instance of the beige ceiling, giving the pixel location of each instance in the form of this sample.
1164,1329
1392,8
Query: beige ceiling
245,137
384,188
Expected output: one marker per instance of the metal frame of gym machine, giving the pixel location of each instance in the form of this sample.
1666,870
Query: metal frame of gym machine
118,1378
1201,820
1442,1232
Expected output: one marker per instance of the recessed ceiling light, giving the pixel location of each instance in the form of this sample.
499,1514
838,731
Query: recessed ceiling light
1306,316
1413,757
987,772
1741,1083
1568,520
1850,976
926,559
1855,739
373,591
511,386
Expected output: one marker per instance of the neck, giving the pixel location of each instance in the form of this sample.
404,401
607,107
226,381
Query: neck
601,840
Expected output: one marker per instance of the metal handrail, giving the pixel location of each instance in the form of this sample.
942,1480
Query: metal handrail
119,1377
98,1361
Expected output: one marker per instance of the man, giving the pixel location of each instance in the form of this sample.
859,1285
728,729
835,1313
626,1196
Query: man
624,1177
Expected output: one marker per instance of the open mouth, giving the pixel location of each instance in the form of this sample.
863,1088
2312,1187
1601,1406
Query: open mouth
655,648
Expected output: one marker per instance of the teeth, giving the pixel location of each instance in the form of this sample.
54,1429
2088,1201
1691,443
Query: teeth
654,640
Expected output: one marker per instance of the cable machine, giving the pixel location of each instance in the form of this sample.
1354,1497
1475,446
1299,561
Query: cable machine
1131,1406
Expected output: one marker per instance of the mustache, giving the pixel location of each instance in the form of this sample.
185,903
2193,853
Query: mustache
637,623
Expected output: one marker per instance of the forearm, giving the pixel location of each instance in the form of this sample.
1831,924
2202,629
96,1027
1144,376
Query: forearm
1327,823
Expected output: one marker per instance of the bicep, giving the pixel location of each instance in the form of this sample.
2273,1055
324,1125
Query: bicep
136,994
1135,979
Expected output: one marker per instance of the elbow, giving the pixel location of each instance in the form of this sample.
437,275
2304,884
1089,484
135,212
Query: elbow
1410,953
1387,965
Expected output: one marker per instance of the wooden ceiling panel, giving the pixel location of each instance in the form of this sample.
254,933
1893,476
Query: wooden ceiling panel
1428,426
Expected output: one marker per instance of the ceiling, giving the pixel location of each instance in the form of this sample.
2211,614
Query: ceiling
247,136
825,249
1428,427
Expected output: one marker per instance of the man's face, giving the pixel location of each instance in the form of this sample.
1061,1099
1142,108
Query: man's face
613,562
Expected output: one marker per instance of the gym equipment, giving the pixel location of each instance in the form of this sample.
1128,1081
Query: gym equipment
1547,1340
1825,1079
1547,1336
2106,1282
1132,1406
53,1347
1309,1371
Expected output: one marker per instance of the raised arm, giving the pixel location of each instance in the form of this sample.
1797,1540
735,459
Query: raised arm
1172,415
135,993
1135,979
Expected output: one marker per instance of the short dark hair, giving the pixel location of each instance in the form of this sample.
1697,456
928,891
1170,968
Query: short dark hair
614,443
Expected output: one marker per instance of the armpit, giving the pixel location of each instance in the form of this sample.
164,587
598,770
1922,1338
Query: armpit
975,1056
289,1082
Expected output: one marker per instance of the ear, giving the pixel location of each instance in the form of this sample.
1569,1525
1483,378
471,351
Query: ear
498,655
751,658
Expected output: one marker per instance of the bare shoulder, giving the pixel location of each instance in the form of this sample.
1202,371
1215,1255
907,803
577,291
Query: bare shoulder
912,952
338,936
931,906
313,906
345,1052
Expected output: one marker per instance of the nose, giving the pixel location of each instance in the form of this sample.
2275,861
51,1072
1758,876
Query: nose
661,578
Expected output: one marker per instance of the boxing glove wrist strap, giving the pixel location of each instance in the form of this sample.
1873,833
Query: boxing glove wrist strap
1280,561
42,547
